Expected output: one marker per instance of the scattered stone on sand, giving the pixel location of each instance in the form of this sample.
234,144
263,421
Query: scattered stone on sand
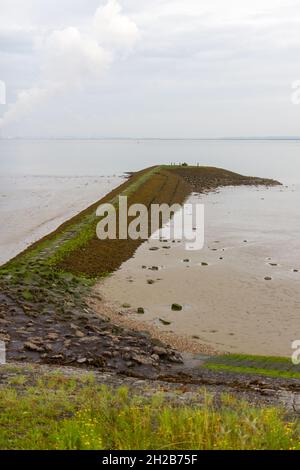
164,322
176,307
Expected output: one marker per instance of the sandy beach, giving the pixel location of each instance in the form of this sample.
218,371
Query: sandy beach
244,299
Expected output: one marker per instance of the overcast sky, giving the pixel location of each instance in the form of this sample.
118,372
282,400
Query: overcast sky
149,68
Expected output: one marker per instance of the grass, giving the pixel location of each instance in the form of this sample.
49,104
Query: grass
280,367
59,412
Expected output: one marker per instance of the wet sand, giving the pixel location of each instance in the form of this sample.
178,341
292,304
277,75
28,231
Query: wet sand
228,304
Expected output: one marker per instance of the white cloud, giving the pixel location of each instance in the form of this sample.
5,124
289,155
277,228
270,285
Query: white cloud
72,58
26,101
198,67
113,28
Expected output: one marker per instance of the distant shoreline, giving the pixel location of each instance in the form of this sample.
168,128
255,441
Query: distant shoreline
193,139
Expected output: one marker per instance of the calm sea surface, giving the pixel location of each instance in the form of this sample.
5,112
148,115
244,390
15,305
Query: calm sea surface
44,182
275,159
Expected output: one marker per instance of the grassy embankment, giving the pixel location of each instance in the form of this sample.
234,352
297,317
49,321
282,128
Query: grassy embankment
280,367
60,412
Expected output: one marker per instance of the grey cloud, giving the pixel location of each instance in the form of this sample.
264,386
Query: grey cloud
197,68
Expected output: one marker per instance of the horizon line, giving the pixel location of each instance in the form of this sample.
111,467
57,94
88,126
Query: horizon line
156,138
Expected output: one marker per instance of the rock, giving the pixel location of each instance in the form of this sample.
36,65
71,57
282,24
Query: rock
52,336
153,248
176,359
164,322
107,354
204,264
37,340
150,281
143,360
154,268
89,339
4,337
176,307
81,360
140,310
33,347
129,364
97,296
186,260
268,278
155,357
57,357
79,334
160,351
126,305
